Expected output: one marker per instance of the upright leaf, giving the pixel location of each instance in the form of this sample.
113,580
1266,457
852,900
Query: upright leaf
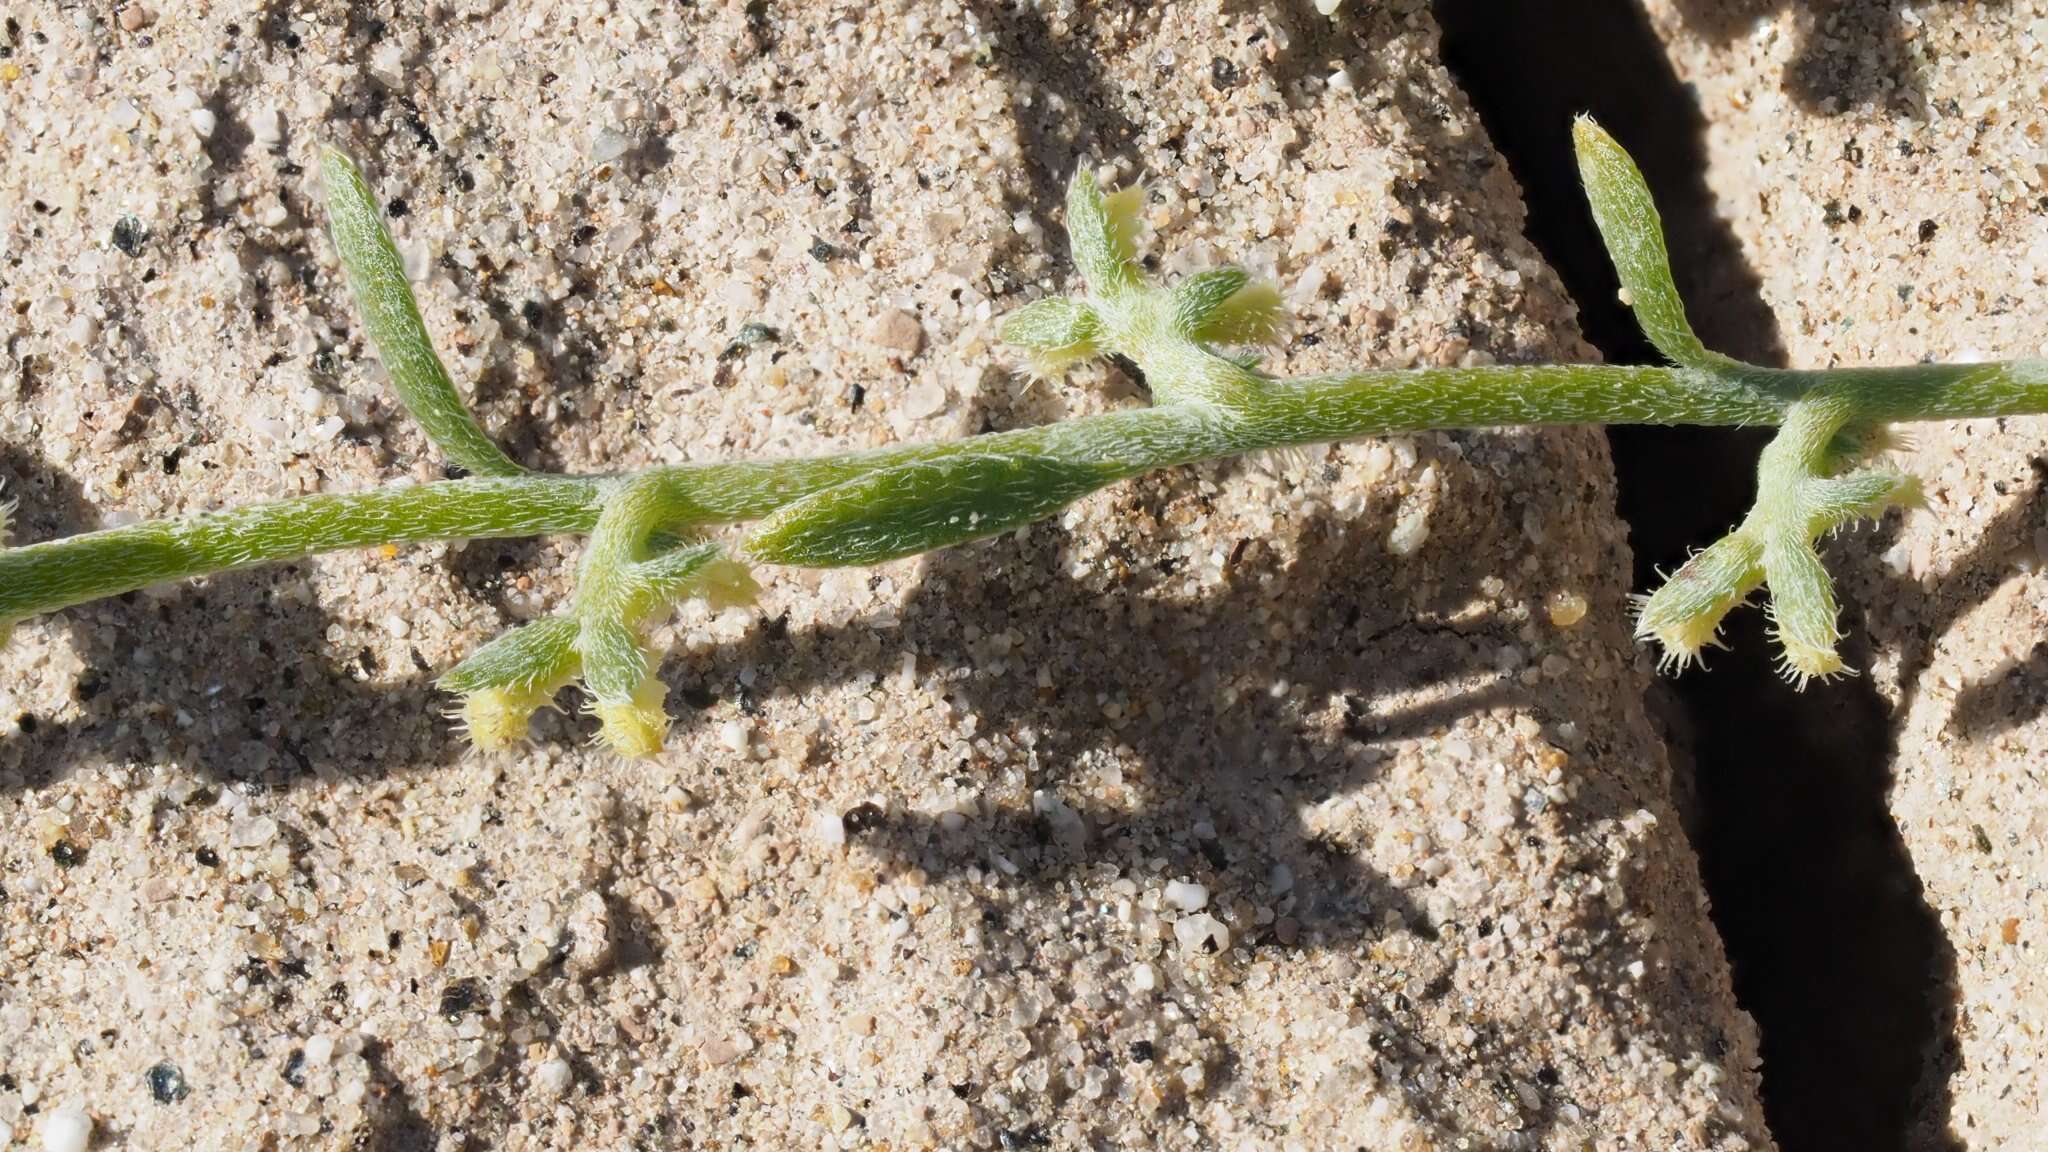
1634,235
376,277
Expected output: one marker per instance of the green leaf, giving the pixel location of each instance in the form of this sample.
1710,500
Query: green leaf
1684,616
1057,331
1634,234
376,277
683,571
616,661
1864,494
1102,233
921,505
625,694
537,655
1196,299
1225,306
1802,610
1253,314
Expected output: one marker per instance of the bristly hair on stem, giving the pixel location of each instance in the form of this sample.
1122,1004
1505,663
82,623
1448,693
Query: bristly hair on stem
650,545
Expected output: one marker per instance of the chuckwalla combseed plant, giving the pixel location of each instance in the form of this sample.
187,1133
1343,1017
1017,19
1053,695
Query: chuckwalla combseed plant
650,532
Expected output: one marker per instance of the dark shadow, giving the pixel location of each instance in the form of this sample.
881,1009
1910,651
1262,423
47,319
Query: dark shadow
1199,738
1853,54
1528,110
1834,948
395,1121
1245,762
1837,953
264,699
2015,692
1236,756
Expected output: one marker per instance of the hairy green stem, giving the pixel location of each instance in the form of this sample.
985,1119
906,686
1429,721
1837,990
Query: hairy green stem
1188,342
44,577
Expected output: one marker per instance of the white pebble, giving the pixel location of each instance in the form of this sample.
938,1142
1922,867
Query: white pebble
253,833
554,1076
1144,978
266,125
1066,824
1200,934
1411,519
829,828
203,121
1280,880
387,63
924,400
67,1130
609,144
734,735
1186,896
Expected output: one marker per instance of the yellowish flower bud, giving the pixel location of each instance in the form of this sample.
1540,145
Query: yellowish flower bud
635,727
495,718
1684,616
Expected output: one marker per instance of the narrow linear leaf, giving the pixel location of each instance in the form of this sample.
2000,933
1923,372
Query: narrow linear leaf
683,571
616,661
1057,331
1833,502
1197,298
1120,209
1803,610
540,654
1101,233
376,278
919,506
1254,314
1634,234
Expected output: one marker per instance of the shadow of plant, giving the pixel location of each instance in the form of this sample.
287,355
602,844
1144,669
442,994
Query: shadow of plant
2013,693
266,699
1255,710
1852,53
1204,740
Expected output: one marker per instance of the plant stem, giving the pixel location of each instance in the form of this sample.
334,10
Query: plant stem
1922,391
43,577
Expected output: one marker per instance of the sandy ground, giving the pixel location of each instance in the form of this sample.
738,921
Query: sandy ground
1296,803
1886,168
